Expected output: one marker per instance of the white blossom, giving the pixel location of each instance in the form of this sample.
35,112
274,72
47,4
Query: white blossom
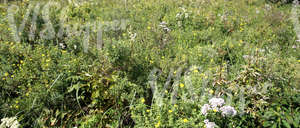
228,111
11,122
209,124
216,102
205,108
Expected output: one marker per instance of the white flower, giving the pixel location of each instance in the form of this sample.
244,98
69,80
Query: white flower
216,102
163,25
10,122
209,124
228,111
205,108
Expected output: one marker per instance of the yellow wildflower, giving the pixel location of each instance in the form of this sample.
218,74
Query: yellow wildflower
185,120
17,102
196,70
299,61
143,100
170,111
148,27
17,106
181,85
158,124
43,54
147,110
6,74
215,110
211,91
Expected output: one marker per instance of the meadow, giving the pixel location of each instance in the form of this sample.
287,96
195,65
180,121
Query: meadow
149,63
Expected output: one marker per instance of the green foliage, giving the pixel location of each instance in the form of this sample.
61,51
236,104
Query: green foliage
243,51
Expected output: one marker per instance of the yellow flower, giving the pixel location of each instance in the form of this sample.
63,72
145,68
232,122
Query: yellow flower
27,94
6,74
299,61
185,120
181,85
170,111
143,100
43,54
166,91
147,110
17,102
211,91
17,106
196,70
215,110
12,76
148,27
158,124
21,61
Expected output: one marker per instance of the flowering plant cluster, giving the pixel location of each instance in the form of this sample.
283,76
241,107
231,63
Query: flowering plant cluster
216,108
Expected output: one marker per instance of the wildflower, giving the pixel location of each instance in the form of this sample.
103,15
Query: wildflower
11,122
181,85
163,25
43,54
211,91
216,102
148,27
6,74
215,110
143,100
228,111
170,111
17,106
158,124
185,120
195,71
166,91
17,102
299,61
147,110
209,124
205,108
